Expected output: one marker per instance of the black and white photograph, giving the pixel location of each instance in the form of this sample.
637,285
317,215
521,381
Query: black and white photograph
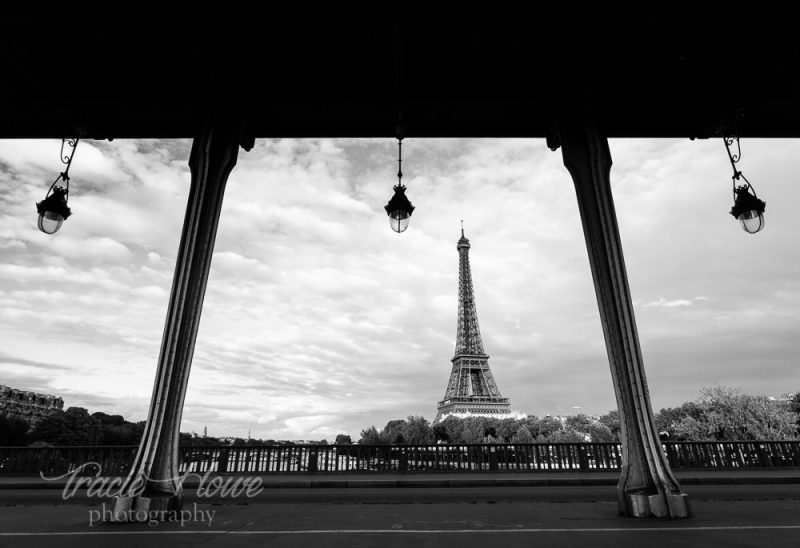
294,276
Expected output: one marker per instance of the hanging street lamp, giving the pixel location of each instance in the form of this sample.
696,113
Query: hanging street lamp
747,208
399,209
53,210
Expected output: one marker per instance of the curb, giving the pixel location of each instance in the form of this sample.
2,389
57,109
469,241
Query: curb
440,483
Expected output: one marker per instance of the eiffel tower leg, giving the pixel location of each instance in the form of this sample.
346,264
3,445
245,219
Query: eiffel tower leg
153,484
647,486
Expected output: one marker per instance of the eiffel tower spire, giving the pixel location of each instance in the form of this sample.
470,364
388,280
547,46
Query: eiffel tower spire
471,389
468,337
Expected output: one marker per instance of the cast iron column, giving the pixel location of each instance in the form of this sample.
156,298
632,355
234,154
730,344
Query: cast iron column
153,484
647,486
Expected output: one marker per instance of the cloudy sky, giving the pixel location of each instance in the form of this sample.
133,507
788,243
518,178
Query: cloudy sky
320,320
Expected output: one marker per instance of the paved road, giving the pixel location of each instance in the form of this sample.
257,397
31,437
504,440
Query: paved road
718,523
585,516
421,495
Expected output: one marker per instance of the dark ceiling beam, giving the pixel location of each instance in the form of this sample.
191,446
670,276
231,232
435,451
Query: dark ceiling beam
658,71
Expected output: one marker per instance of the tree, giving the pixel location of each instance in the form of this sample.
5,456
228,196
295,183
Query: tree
727,414
85,429
13,430
794,402
51,429
449,430
418,430
371,436
124,434
600,433
689,428
395,431
794,405
568,435
579,422
473,430
507,429
732,415
343,439
671,421
71,427
542,429
440,433
523,435
113,420
611,421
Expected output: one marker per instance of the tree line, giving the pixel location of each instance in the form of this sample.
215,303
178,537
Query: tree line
76,426
73,426
416,430
719,414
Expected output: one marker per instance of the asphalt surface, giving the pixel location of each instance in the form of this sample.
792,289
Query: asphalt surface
744,511
440,524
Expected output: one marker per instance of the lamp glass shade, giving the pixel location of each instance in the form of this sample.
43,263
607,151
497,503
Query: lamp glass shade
398,220
752,221
53,210
50,221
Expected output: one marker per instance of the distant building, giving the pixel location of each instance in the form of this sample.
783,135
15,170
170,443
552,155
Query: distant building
28,406
471,390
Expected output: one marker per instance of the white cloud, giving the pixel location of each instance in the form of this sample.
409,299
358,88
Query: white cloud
661,301
12,244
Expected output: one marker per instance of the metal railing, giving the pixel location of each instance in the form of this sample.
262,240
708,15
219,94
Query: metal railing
291,459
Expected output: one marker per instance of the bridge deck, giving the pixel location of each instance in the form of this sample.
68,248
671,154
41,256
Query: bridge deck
726,515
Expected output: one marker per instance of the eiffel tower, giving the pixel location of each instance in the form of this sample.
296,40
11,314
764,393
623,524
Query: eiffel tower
471,390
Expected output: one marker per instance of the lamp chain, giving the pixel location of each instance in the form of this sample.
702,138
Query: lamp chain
399,161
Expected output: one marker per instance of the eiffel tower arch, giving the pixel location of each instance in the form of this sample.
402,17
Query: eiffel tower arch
471,390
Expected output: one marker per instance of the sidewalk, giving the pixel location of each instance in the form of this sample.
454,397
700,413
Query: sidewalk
455,479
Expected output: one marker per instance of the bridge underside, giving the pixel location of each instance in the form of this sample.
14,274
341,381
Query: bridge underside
655,70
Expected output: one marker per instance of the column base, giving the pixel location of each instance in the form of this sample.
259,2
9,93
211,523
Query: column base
155,506
658,505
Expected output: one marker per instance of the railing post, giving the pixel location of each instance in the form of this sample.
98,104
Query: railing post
313,459
222,462
583,461
669,452
492,457
794,449
764,457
